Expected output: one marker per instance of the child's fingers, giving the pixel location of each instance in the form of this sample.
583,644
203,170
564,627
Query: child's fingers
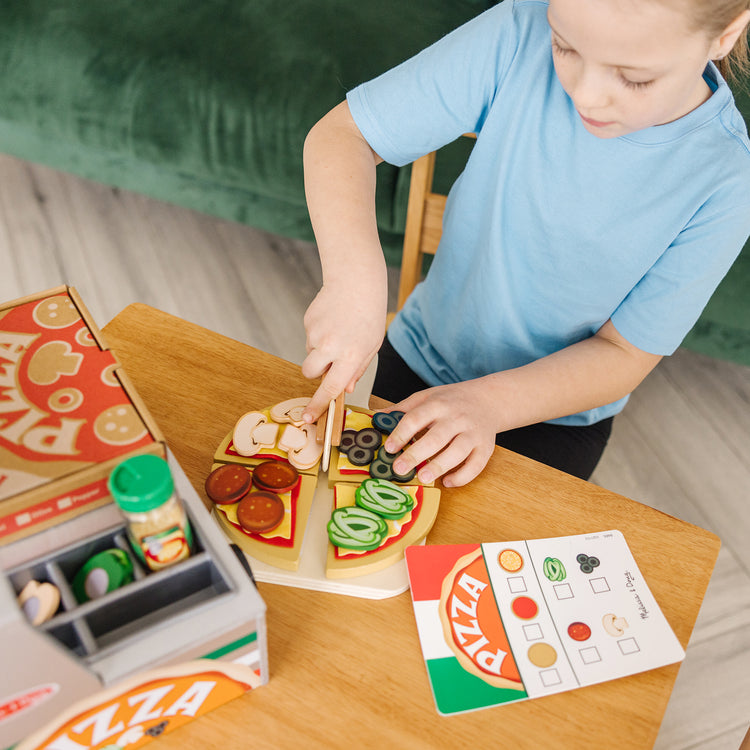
438,439
334,382
315,364
413,421
468,470
457,451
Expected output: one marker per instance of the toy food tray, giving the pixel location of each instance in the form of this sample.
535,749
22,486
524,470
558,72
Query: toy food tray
91,628
204,606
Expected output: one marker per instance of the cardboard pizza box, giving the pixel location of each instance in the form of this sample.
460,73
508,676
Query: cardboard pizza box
68,413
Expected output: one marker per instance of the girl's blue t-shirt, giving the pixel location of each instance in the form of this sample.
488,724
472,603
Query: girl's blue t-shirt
551,231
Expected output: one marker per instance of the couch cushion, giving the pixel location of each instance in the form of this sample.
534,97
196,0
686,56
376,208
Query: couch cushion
205,104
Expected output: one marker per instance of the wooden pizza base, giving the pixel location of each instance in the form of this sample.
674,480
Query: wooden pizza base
311,573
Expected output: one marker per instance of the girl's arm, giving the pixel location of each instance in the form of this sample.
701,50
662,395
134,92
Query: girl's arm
461,420
345,323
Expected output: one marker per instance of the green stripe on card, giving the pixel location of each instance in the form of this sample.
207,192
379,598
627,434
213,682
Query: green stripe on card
456,690
224,650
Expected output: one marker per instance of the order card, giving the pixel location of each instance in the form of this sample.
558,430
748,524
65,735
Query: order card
507,621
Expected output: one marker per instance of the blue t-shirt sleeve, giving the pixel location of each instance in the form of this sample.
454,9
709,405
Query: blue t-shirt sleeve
444,91
661,309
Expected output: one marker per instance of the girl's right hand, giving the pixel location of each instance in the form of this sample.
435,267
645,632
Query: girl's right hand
345,325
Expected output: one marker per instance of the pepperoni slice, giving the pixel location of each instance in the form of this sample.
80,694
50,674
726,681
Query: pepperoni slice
227,484
260,512
275,476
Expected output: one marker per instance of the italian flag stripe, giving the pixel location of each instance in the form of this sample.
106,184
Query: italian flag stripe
431,566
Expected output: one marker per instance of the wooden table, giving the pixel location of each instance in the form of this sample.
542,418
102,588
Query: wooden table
349,672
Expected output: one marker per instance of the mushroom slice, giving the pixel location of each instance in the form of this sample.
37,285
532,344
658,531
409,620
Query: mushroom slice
290,411
302,455
253,432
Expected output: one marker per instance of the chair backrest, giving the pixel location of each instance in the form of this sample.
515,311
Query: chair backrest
424,223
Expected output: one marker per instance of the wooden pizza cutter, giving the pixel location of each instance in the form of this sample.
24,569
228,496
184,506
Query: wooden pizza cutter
329,429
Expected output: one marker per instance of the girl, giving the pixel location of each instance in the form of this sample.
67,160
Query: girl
605,198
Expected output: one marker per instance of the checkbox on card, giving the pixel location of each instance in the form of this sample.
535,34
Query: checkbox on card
517,585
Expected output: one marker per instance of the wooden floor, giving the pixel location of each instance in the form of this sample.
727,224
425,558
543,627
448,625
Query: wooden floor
682,445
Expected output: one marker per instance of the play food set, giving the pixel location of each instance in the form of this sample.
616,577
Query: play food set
337,522
119,597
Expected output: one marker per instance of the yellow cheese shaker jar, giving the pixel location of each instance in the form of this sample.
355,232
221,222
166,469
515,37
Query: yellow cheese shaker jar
158,527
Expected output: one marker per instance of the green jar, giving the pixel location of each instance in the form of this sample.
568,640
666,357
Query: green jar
158,527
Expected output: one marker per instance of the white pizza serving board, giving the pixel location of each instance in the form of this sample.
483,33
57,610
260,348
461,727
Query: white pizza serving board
311,572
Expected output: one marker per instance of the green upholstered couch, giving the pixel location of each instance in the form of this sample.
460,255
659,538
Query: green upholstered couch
206,103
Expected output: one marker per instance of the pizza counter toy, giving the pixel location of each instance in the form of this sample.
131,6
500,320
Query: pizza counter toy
97,622
320,506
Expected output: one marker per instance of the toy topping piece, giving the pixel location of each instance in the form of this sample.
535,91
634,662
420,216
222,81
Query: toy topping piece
290,411
384,498
347,440
228,484
368,437
102,573
303,449
386,421
253,432
39,601
356,528
403,478
260,512
359,456
275,476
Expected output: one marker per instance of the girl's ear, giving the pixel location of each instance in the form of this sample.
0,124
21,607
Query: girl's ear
723,44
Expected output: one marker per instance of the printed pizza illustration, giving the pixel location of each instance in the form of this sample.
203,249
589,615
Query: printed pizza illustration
265,475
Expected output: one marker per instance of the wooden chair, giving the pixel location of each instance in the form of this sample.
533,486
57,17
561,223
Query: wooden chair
424,224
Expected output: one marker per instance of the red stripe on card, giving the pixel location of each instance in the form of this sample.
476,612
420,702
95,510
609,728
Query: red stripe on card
429,565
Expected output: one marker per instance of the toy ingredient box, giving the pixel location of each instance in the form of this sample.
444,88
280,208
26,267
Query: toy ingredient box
68,414
133,663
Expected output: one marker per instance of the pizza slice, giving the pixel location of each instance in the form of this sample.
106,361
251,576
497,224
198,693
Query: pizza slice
373,523
275,433
245,520
361,452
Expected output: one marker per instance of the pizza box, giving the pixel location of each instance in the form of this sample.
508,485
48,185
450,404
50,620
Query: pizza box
137,662
68,413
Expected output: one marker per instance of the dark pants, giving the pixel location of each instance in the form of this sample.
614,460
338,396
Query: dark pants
574,450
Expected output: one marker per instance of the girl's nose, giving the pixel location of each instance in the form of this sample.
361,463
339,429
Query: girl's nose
590,91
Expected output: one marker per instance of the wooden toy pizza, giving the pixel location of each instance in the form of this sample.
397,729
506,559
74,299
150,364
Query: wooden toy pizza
273,470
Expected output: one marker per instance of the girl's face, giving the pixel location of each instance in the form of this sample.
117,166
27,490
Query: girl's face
627,66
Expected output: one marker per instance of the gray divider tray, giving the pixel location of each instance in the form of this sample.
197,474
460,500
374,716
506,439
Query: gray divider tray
152,599
186,611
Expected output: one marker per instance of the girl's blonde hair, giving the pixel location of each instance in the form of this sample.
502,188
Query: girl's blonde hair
713,16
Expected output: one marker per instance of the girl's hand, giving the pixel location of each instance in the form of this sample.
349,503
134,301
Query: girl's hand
459,425
345,326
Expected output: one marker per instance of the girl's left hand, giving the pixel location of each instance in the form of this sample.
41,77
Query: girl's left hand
459,425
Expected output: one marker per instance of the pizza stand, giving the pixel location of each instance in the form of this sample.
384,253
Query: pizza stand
165,647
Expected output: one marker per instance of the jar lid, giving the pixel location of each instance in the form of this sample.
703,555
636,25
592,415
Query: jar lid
141,483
